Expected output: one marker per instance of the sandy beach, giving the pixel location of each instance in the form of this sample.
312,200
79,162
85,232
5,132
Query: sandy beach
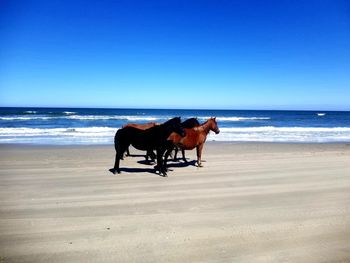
251,202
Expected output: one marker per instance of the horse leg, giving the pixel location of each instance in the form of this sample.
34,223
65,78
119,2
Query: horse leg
160,163
127,152
150,154
199,149
175,154
183,155
167,153
146,157
116,163
120,149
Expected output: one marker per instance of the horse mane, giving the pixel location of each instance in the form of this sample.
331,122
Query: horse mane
190,123
173,120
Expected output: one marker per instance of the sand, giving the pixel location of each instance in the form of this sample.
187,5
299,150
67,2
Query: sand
254,202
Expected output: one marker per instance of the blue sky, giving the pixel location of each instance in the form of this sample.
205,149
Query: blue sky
176,54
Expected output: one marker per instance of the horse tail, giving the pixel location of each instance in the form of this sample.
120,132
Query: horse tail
116,140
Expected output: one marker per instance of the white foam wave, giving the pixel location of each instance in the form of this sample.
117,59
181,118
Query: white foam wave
283,134
90,135
287,129
321,114
71,116
234,118
69,112
30,111
93,135
25,118
116,117
88,131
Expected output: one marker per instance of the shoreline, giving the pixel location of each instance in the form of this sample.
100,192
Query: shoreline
251,202
207,142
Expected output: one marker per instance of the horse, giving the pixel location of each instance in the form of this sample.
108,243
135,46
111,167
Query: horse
154,138
189,123
195,138
144,126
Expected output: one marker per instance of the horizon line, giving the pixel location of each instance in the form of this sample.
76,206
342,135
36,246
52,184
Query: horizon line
156,108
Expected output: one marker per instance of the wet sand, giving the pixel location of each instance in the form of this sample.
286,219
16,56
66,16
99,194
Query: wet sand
251,202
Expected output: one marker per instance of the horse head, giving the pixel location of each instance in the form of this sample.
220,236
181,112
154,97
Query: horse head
214,126
174,125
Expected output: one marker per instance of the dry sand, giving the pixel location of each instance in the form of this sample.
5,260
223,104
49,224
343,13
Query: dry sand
249,203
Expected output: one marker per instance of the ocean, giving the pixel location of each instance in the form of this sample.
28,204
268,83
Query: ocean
71,126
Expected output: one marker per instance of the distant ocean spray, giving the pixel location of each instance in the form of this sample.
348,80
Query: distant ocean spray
98,126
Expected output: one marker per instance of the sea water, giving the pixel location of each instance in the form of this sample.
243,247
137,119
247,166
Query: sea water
98,126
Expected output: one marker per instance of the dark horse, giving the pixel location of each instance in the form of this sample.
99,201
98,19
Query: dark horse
154,138
195,138
144,126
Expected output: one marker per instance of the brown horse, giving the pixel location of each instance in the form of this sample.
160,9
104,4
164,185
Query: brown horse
195,138
143,127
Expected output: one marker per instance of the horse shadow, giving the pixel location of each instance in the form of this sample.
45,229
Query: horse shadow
135,155
152,170
181,164
146,162
138,170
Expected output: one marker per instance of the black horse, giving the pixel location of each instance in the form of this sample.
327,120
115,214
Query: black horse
154,138
187,124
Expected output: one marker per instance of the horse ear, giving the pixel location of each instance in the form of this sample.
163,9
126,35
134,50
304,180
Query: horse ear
214,118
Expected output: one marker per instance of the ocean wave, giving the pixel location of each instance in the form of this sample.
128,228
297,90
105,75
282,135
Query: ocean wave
286,129
105,135
283,134
88,135
234,118
30,112
26,118
128,118
98,131
71,116
113,117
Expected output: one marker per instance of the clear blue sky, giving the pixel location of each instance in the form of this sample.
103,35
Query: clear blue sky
176,54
